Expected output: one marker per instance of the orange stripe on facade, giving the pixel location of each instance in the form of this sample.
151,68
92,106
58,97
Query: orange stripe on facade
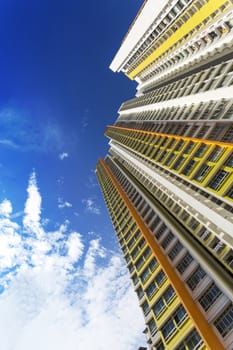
185,138
207,333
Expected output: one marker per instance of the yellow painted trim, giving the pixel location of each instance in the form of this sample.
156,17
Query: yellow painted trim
204,328
193,22
171,136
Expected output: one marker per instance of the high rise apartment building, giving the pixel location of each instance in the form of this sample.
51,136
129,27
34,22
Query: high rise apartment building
168,178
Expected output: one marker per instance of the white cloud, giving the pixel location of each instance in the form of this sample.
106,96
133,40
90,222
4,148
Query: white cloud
63,155
90,206
32,208
5,208
63,204
9,143
10,244
75,246
95,250
36,313
66,293
10,239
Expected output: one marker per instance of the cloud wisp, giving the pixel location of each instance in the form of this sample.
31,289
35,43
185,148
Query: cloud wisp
63,204
32,208
59,291
63,155
91,180
19,132
91,206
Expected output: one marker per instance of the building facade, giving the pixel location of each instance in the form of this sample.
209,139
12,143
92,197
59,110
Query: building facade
168,178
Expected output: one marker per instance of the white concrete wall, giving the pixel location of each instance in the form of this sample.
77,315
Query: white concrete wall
148,14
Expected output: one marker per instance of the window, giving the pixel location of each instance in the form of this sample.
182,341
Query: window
184,215
151,216
127,235
196,277
147,272
145,275
151,289
152,326
139,263
176,319
145,308
192,342
159,307
159,346
146,252
176,209
217,246
169,294
167,240
131,243
154,224
153,264
161,231
224,323
185,262
229,135
175,250
179,145
230,193
193,224
162,303
168,329
229,259
162,156
121,242
215,154
200,150
145,211
131,267
218,179
140,292
160,277
189,147
169,159
181,346
229,162
203,131
204,234
209,297
143,257
178,163
135,279
135,252
124,250
127,258
202,172
179,315
171,142
189,167
141,243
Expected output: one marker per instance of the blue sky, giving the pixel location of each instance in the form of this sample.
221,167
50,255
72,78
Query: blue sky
61,274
